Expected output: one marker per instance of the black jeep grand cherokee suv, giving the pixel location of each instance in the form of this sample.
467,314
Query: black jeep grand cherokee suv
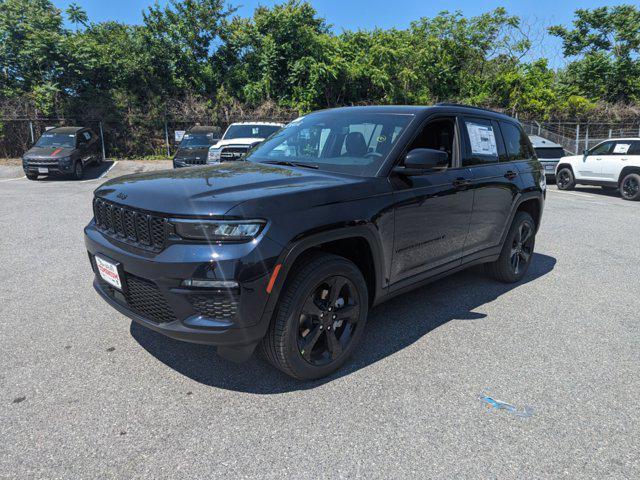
337,212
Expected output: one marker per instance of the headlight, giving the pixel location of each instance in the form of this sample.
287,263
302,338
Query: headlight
214,155
218,231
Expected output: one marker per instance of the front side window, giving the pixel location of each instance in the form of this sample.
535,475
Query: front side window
602,149
438,134
250,131
356,143
56,140
515,141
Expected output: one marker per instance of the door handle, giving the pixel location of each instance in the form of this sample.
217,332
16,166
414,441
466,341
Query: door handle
461,183
510,175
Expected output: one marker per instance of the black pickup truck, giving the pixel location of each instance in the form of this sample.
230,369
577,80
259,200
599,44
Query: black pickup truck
337,212
62,150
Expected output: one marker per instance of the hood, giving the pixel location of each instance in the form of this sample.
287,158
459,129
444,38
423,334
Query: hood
216,189
48,152
191,154
237,141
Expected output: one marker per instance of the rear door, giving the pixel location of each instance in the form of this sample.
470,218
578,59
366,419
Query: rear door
611,165
495,178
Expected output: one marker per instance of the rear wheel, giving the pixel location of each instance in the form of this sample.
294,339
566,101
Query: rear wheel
630,187
565,179
320,318
517,251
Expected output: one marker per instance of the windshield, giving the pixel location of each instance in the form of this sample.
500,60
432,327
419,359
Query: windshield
191,141
556,152
355,143
55,140
250,131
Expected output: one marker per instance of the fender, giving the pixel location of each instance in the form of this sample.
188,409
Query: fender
523,197
307,241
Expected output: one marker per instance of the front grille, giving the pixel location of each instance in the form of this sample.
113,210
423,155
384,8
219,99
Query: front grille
130,225
222,306
194,161
231,154
142,296
41,162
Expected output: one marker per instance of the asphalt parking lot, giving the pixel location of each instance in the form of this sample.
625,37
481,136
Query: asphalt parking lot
84,393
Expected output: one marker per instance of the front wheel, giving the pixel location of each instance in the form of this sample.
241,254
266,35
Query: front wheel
517,251
320,318
565,179
78,171
630,187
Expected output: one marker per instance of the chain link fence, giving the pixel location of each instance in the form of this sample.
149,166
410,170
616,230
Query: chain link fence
576,137
137,137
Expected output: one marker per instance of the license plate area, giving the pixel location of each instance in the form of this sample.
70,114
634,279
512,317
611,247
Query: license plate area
110,271
43,170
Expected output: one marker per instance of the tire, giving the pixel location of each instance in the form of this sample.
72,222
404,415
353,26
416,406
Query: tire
78,170
308,338
565,179
630,187
31,176
516,254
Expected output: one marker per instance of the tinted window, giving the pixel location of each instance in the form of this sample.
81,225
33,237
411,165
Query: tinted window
356,143
482,141
602,149
48,140
516,142
635,148
250,131
437,135
550,153
197,140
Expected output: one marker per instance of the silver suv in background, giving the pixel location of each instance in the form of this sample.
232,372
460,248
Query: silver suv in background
549,154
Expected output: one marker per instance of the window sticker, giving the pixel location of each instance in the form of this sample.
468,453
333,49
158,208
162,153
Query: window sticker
621,148
483,139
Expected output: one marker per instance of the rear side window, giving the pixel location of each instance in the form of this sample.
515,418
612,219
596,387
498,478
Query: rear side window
622,148
635,148
516,142
483,141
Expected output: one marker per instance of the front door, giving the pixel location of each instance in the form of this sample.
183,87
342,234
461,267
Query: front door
590,168
432,211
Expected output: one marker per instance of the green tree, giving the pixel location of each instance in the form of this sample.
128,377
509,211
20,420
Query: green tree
606,42
77,15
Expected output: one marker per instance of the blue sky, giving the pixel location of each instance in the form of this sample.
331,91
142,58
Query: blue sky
366,14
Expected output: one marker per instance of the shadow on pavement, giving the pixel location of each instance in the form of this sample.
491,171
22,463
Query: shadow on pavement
91,172
605,192
391,327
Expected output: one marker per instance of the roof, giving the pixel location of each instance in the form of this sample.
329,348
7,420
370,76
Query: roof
277,124
426,109
65,130
539,142
204,129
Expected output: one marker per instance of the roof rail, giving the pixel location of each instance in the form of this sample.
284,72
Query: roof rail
453,104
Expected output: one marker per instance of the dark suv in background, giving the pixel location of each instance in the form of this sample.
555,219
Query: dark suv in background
339,211
62,150
194,146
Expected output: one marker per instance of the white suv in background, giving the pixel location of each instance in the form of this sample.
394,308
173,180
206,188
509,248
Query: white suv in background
239,138
613,164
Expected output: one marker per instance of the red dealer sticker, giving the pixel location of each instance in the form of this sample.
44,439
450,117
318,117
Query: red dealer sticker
109,272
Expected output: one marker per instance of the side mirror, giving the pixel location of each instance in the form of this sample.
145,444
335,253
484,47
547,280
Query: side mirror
421,159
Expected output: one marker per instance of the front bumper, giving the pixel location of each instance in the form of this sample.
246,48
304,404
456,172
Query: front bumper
46,166
153,295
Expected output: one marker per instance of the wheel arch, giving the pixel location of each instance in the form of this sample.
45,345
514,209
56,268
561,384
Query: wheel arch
626,171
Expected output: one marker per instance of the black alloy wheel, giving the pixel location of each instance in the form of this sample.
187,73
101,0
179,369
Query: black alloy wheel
522,247
328,320
630,187
565,180
321,315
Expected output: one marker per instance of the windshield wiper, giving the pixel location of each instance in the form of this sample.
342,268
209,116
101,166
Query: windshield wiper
292,164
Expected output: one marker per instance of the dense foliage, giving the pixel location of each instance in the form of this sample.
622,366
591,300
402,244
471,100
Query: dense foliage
197,58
